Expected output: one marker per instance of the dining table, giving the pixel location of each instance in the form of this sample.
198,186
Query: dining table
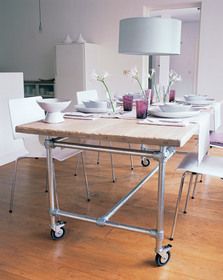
163,140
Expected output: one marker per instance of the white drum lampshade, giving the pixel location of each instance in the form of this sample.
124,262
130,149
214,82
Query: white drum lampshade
150,36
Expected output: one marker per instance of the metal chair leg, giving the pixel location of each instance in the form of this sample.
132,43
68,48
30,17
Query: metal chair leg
46,184
131,158
188,192
85,178
11,204
98,158
195,185
177,205
201,178
77,164
112,167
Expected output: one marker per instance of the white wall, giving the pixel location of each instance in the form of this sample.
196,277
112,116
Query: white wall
23,48
28,50
186,63
210,74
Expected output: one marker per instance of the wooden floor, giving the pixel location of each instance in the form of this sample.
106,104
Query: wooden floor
91,252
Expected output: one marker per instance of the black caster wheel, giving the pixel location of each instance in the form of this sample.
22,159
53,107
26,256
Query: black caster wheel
160,261
145,162
57,235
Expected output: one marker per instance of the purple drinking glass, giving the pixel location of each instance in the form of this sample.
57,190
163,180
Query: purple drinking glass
172,95
127,102
141,108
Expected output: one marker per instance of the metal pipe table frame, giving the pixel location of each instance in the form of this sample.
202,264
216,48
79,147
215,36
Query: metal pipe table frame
161,155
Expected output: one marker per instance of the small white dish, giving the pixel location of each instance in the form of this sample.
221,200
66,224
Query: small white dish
83,109
174,107
95,104
189,98
54,108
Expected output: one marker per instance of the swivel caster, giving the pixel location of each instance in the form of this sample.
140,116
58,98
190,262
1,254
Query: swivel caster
55,235
145,162
162,260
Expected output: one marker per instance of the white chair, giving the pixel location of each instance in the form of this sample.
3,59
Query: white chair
210,165
216,141
24,110
93,95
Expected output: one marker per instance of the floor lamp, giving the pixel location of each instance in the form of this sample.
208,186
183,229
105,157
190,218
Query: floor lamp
152,36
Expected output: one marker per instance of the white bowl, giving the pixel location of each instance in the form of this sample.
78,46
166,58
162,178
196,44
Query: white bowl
174,107
95,104
195,97
54,108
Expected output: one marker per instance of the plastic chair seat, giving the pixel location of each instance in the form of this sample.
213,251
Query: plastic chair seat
216,139
210,165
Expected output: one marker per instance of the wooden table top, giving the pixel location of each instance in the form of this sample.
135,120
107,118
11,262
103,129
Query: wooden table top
115,130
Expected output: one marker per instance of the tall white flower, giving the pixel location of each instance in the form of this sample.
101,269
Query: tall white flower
101,78
134,74
152,74
173,77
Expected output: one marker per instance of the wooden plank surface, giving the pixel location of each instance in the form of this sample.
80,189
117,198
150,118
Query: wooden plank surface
117,130
89,252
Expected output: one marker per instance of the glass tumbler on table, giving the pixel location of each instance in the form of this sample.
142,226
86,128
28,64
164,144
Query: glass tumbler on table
127,102
172,95
141,108
149,95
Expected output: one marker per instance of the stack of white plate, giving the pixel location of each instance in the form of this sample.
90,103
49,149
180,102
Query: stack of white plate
174,107
198,100
92,106
173,110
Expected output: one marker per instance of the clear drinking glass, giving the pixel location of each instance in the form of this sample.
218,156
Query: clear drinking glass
149,95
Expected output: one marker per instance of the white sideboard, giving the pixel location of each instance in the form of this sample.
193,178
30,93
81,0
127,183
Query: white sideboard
11,86
74,65
76,62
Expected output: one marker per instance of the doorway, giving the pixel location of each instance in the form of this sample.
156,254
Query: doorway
185,64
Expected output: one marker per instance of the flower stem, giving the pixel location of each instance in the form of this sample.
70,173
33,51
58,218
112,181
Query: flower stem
140,85
157,94
109,95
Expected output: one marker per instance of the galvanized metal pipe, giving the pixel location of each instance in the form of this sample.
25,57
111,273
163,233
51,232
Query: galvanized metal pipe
151,232
51,189
123,200
117,150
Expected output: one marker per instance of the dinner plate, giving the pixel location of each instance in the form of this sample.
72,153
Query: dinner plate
83,109
184,114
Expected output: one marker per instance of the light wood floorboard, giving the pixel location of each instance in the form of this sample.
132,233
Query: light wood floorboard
91,252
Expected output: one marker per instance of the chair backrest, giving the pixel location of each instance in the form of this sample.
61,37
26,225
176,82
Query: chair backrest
24,110
86,96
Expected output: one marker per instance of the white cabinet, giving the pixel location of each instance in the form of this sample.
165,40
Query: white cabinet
74,65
